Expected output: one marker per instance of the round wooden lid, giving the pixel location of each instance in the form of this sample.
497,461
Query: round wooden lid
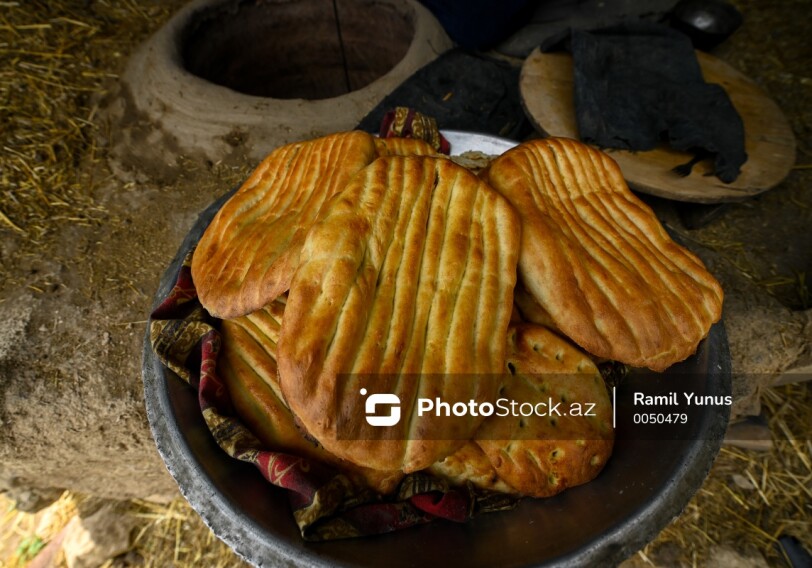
546,86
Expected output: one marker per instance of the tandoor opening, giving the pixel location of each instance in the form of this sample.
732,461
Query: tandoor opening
309,49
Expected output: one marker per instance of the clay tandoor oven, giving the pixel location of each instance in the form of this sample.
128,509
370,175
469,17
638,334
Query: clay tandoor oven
308,49
232,80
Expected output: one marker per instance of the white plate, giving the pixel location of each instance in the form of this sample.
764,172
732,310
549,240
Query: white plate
462,142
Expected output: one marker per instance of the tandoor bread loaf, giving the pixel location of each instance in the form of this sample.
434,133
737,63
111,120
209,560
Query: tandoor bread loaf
402,286
250,250
598,261
247,365
569,440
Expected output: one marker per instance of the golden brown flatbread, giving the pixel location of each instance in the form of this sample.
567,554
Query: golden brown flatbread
597,259
250,250
543,455
398,146
403,284
529,309
247,365
469,464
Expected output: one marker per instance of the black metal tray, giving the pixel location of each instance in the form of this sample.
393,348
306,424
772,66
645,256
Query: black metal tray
646,483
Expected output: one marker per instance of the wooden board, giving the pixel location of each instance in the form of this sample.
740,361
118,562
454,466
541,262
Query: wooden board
546,87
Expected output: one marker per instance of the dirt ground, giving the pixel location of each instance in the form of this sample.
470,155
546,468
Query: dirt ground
82,250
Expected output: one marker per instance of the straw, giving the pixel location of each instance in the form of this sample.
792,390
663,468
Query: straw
57,60
750,519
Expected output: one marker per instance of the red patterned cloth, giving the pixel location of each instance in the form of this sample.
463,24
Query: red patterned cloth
325,505
405,122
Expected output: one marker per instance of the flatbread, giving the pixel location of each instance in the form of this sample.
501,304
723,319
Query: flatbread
249,252
597,259
467,465
247,365
403,284
544,455
529,309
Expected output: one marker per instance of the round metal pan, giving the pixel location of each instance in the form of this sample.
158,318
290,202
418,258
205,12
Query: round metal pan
646,483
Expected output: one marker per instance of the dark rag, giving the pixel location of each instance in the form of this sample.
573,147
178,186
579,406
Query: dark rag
637,84
461,91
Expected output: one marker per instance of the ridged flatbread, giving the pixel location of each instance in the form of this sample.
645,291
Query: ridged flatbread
403,285
543,455
250,250
597,259
247,365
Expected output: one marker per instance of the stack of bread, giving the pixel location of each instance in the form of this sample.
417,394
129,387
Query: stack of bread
350,263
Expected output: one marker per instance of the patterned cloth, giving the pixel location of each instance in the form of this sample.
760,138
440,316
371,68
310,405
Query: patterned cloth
325,504
405,122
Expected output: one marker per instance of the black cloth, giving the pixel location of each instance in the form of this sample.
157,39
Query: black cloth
637,84
463,91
